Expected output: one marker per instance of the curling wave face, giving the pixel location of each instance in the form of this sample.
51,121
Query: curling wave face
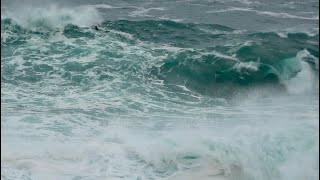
196,55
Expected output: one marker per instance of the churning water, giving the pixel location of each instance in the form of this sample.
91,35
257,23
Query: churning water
172,90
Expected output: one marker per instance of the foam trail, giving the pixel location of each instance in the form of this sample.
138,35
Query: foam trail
268,13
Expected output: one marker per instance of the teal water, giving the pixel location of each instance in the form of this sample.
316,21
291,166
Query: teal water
223,90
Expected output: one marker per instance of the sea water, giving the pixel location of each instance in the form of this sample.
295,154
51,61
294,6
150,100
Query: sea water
173,90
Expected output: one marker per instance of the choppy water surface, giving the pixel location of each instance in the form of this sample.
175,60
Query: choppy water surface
222,90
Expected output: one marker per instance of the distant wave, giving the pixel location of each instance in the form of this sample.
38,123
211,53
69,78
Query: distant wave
273,14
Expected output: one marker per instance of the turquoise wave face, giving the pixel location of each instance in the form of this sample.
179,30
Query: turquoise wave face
199,56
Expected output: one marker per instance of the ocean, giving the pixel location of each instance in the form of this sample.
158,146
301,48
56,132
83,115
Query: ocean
159,90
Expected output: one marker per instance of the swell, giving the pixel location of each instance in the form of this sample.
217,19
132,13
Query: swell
199,56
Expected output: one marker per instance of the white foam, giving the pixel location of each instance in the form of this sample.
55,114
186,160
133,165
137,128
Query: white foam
218,54
237,147
105,6
143,12
305,81
285,15
54,16
282,35
231,9
171,19
251,66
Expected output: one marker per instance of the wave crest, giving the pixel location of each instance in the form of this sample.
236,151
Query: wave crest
51,17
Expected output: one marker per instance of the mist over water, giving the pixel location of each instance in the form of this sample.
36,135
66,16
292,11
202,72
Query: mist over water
175,90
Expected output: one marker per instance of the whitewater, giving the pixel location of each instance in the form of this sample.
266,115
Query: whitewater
170,90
